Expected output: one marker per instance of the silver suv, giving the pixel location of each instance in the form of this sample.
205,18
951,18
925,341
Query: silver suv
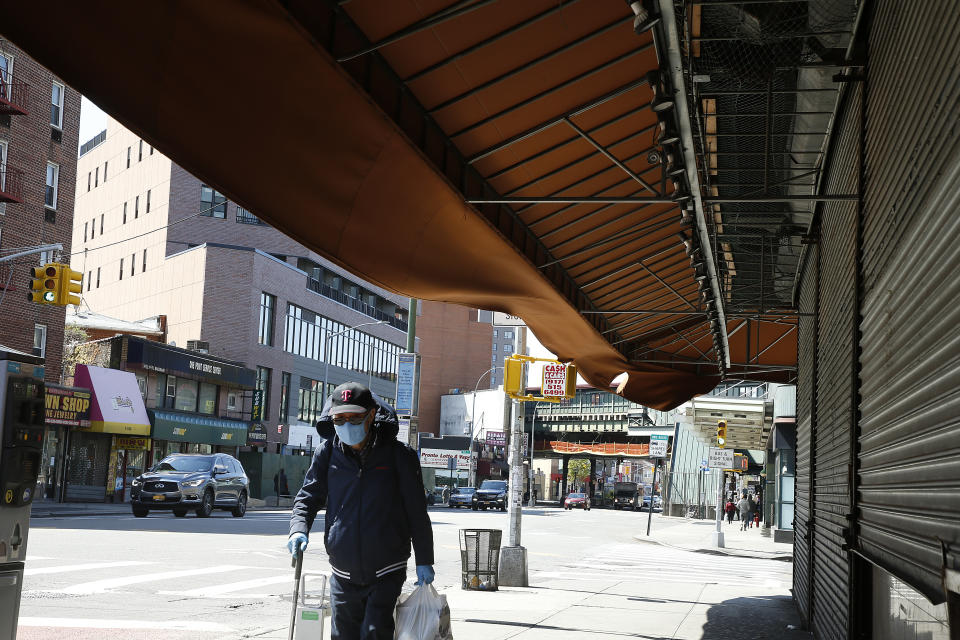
192,482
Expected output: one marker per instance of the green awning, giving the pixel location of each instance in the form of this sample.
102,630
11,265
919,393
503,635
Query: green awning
185,427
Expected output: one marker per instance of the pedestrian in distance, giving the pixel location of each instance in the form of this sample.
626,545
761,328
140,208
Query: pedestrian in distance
376,506
730,508
744,508
751,514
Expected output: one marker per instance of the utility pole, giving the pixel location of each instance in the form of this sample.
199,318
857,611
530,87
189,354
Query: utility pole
513,558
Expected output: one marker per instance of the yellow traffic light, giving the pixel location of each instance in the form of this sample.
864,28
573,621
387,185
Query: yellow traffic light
71,282
721,433
513,379
44,284
571,390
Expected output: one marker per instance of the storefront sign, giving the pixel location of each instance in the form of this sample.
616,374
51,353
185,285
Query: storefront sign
256,411
496,438
67,406
256,435
186,427
117,405
133,444
159,357
437,458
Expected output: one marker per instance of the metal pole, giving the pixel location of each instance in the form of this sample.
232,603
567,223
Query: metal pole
653,488
531,502
516,473
412,326
718,534
40,249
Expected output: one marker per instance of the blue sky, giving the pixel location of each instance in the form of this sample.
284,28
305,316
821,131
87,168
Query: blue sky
92,120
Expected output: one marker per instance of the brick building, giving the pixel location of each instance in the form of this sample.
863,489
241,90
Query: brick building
39,128
154,240
454,349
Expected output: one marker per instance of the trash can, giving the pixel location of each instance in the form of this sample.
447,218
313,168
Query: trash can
480,558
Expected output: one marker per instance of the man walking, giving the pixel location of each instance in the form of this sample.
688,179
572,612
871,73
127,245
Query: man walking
373,490
744,508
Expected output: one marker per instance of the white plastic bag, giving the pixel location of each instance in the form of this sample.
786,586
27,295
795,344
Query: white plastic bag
424,615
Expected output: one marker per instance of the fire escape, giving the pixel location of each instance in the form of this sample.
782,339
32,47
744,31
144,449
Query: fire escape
14,96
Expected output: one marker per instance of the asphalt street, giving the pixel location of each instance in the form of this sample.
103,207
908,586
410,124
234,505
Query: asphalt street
111,577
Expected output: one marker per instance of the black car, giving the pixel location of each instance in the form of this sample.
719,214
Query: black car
192,482
461,497
492,493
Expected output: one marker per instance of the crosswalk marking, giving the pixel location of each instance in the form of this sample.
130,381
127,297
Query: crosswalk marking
99,586
81,567
230,587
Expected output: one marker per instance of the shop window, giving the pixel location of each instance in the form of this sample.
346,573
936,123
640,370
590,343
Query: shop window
233,401
208,399
170,393
142,383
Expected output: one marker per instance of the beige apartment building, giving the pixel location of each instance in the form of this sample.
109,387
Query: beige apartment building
155,240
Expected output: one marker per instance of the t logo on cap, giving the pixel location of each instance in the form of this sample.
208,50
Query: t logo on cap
345,394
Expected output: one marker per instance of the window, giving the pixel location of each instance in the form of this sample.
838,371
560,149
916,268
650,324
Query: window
89,279
268,304
212,202
96,176
101,224
508,335
171,392
53,181
151,149
85,231
495,332
93,228
40,340
128,157
508,348
133,266
186,399
494,360
3,160
89,180
121,268
232,401
136,207
104,171
494,346
143,263
124,213
208,399
98,277
263,384
140,153
148,200
284,396
310,398
56,106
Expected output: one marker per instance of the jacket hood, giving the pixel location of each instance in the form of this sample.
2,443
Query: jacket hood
384,422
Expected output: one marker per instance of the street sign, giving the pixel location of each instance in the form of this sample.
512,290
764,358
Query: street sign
501,319
408,365
658,446
451,464
720,458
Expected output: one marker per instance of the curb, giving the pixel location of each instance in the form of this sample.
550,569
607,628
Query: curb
114,512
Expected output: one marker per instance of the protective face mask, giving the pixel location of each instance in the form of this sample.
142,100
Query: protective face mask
351,434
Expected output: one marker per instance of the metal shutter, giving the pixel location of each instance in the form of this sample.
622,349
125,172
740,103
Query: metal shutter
806,401
910,394
835,374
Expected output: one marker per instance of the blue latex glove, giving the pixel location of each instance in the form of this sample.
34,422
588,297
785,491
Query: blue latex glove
424,574
297,544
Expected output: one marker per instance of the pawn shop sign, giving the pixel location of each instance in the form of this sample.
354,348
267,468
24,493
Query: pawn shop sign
559,380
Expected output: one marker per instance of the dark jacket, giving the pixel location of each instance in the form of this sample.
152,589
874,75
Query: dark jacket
374,507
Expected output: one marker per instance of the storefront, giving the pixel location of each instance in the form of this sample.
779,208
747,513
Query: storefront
66,407
96,465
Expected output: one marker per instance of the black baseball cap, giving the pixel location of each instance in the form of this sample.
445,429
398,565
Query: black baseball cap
351,397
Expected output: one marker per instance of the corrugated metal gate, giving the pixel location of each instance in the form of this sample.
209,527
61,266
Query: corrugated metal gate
910,409
803,557
835,373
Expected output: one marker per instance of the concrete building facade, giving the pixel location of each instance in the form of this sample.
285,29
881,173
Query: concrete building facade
39,128
155,240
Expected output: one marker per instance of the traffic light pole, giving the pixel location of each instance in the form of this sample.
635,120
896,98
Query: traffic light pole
30,252
513,557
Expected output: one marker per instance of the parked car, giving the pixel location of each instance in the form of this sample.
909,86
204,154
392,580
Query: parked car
657,503
192,482
577,501
462,497
492,493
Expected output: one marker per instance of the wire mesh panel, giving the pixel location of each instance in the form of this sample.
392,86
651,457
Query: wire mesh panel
480,558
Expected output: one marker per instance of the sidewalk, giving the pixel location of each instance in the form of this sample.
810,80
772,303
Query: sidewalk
696,535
